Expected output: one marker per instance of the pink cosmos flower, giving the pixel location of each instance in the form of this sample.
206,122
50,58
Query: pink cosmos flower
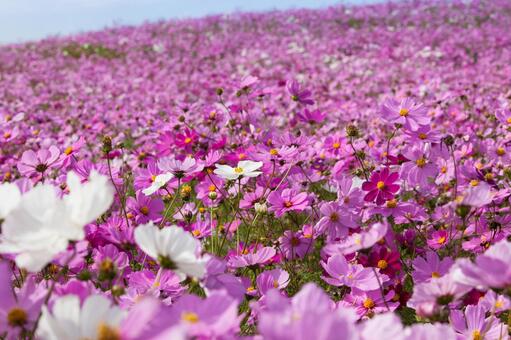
272,279
473,324
296,245
438,239
343,273
32,163
19,309
420,170
215,317
405,112
259,257
335,221
298,318
144,209
430,267
287,200
429,297
368,303
490,270
357,241
381,186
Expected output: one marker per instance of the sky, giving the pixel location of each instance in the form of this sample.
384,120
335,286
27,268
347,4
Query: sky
26,20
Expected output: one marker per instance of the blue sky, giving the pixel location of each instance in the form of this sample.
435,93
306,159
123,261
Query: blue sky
23,20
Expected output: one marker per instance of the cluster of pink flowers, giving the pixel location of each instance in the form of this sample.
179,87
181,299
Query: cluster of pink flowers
331,174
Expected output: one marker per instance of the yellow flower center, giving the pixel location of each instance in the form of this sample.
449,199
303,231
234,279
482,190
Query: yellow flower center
68,150
474,182
196,233
404,112
421,162
392,204
476,335
251,289
105,332
190,317
288,204
153,178
275,284
380,185
334,217
441,240
242,156
186,190
443,169
274,152
336,145
499,304
508,120
488,176
212,188
368,303
188,140
501,151
422,135
144,210
17,317
7,135
238,170
435,275
382,264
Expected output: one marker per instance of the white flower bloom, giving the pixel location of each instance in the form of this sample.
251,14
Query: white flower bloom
173,248
96,319
42,224
159,181
244,169
10,197
87,201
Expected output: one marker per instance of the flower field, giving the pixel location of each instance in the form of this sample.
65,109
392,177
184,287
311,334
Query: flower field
308,174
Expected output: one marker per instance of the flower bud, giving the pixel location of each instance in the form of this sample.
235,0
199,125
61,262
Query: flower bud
212,195
352,131
260,208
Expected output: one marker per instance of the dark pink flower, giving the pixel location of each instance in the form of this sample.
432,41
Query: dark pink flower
381,186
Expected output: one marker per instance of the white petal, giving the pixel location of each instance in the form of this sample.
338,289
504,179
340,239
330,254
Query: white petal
146,237
10,197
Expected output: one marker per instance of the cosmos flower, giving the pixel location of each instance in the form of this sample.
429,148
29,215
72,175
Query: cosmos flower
42,224
258,257
243,169
287,200
405,112
299,94
430,267
172,247
342,273
37,163
97,318
381,186
158,182
473,324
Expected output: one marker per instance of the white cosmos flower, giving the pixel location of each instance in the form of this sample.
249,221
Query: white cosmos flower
87,201
10,197
173,248
243,169
96,319
42,224
159,181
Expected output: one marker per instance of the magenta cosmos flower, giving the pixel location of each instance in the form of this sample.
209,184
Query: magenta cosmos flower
381,186
287,200
299,94
343,273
